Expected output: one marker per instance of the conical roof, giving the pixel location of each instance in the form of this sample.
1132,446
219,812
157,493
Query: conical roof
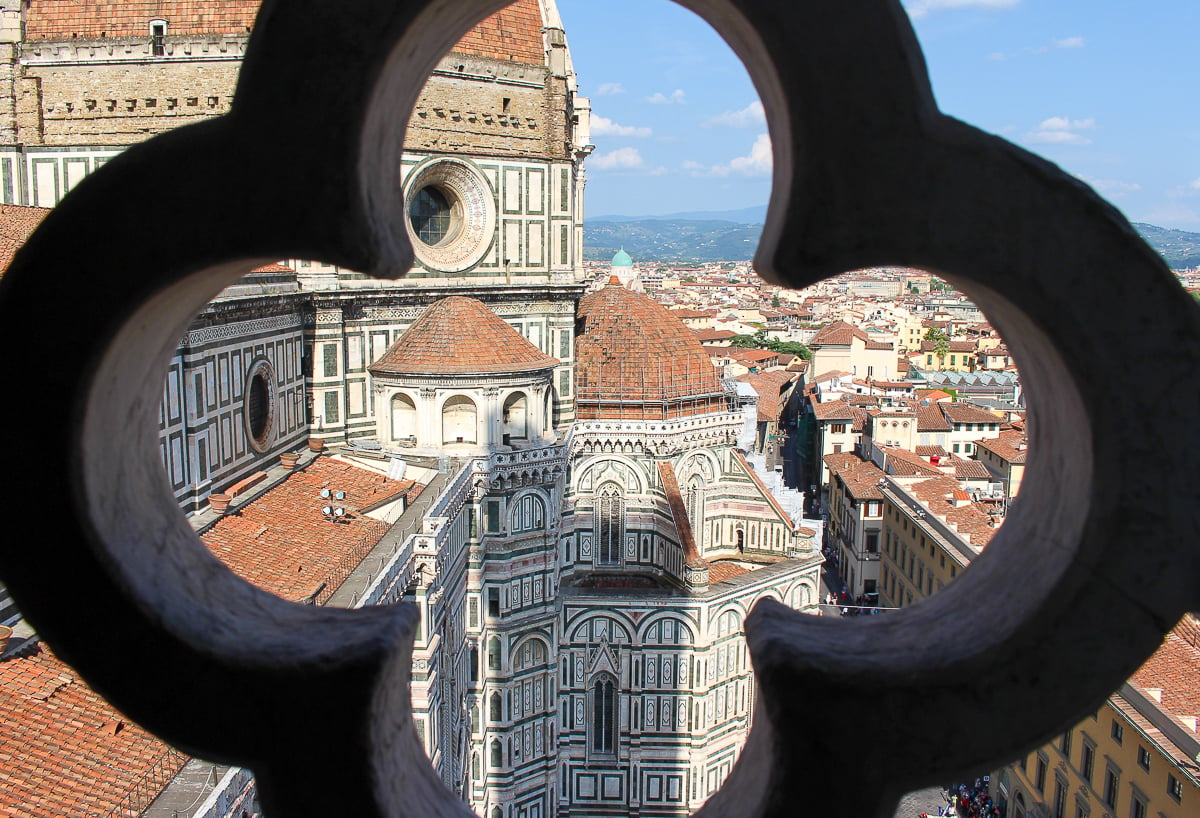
460,336
633,358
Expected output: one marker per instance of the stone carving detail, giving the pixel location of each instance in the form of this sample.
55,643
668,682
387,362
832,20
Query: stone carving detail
867,171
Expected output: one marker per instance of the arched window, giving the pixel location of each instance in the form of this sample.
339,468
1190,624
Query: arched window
610,525
474,660
496,710
604,715
516,417
475,776
404,419
459,421
528,514
741,540
497,754
493,653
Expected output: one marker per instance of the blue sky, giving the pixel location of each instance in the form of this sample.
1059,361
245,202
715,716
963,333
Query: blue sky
1109,90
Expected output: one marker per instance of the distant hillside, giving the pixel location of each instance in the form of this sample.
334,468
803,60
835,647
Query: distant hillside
683,240
733,236
1181,250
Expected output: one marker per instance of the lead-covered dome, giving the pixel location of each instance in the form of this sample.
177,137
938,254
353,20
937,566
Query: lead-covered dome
636,360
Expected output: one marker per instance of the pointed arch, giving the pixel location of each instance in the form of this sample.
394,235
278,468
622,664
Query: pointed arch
609,524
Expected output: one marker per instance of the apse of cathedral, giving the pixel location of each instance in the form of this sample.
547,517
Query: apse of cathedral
597,534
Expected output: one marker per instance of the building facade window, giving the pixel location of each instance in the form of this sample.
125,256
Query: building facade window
1060,798
1112,786
604,715
1174,788
1039,775
1137,806
610,525
1087,760
1118,731
495,708
493,653
1143,758
1066,744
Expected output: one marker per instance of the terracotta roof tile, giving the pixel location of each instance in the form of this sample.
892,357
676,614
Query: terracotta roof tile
17,223
722,570
281,541
513,33
634,358
64,750
1175,669
460,336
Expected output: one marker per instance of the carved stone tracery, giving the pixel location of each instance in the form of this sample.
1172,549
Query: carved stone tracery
932,193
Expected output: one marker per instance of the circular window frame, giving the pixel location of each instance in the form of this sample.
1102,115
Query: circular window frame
472,232
259,368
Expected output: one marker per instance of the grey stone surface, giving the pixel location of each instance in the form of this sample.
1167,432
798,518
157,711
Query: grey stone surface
1088,573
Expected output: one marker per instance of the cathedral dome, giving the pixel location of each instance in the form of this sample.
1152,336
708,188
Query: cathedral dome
460,336
633,359
622,259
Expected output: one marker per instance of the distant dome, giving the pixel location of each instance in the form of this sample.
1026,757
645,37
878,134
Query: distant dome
460,336
634,359
622,259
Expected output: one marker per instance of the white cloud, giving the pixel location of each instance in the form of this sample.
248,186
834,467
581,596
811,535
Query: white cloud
997,56
1112,188
1069,42
610,89
752,116
756,163
1195,185
603,126
1061,130
676,98
619,159
920,8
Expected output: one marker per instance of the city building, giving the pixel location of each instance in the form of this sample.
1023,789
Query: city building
587,534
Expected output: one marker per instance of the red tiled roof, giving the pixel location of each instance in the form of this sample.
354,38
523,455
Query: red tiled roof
634,358
64,19
970,470
722,570
966,413
1175,669
1008,446
931,419
64,750
683,526
513,33
16,225
460,336
281,541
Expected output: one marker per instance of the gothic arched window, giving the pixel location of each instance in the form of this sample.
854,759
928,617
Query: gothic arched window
497,760
604,715
610,525
493,654
495,712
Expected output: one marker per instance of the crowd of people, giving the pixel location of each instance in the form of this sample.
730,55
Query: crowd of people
969,801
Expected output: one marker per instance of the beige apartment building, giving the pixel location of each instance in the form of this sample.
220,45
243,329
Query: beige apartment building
1137,756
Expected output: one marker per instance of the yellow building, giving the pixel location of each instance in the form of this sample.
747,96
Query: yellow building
1004,457
932,528
1138,756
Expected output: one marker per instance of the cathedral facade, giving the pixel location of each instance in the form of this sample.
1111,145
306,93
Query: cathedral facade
585,570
